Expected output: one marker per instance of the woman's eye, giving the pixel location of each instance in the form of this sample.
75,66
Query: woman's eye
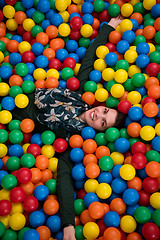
102,123
105,111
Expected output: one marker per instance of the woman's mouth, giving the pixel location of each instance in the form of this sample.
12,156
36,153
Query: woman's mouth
92,115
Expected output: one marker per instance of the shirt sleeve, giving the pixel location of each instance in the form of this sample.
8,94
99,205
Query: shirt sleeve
90,55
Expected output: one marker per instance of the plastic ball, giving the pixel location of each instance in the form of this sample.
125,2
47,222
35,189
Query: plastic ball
8,103
127,172
21,100
126,9
17,221
78,172
53,223
101,51
9,181
122,145
60,145
96,210
101,95
153,169
147,133
112,219
111,233
76,23
111,58
91,230
134,97
86,30
150,231
5,207
103,190
32,234
76,155
130,196
128,224
17,195
117,90
125,25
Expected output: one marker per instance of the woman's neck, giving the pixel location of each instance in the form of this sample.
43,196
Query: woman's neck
82,117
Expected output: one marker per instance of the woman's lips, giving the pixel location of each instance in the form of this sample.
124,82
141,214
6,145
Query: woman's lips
92,115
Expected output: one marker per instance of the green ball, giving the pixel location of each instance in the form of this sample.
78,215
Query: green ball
157,47
110,84
112,134
35,30
149,22
38,17
139,39
6,53
98,5
48,137
138,7
122,64
154,57
128,85
19,7
2,46
0,107
158,76
66,39
28,86
84,42
123,133
52,4
3,136
9,181
46,46
100,139
79,232
9,36
138,80
111,147
7,64
106,163
13,163
157,37
67,73
35,3
9,234
14,125
147,16
153,155
51,184
14,91
112,102
79,206
114,10
90,86
2,229
132,141
27,160
15,136
21,69
156,217
21,233
142,215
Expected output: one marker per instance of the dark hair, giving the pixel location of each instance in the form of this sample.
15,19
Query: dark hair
120,120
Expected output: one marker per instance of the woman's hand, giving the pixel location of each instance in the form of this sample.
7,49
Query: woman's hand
69,233
114,22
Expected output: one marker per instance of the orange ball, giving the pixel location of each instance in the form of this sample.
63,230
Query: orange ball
154,91
153,169
6,59
133,129
120,55
119,2
76,141
51,82
77,221
12,46
40,83
49,53
4,160
128,160
46,175
138,17
151,81
44,232
36,175
5,40
89,158
112,233
149,32
139,32
72,8
115,37
92,170
96,23
3,25
106,208
15,80
52,31
102,151
134,236
135,183
27,125
20,17
2,32
41,162
89,146
157,24
42,38
118,205
51,206
150,109
85,217
96,210
57,43
52,197
88,97
28,188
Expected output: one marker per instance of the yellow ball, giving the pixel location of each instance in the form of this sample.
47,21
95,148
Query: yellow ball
155,200
64,29
52,73
8,11
5,221
147,133
146,76
100,65
48,151
133,2
134,97
152,48
130,56
11,24
28,23
4,194
101,51
78,1
21,100
1,57
148,4
5,116
24,46
118,158
127,172
133,48
16,208
101,95
121,76
108,74
86,30
4,89
39,73
53,163
117,90
65,16
25,146
91,185
99,85
157,129
76,69
91,230
137,105
103,190
126,9
133,69
125,25
17,221
118,28
128,224
61,5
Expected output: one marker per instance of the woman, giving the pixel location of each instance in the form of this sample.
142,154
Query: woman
64,112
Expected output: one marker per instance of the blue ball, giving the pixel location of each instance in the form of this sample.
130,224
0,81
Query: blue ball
31,68
62,84
36,219
111,58
41,61
141,173
131,209
90,198
71,45
81,52
56,19
5,72
147,121
44,24
105,177
79,184
31,234
27,4
142,90
135,113
106,5
17,38
41,192
87,7
36,139
142,61
112,219
143,48
113,196
37,49
76,155
59,235
74,56
61,54
135,24
49,14
122,145
78,172
54,223
29,12
118,185
8,103
95,76
158,115
1,163
115,171
127,121
2,174
155,143
155,11
88,133
130,196
122,46
74,14
88,19
43,6
28,77
15,150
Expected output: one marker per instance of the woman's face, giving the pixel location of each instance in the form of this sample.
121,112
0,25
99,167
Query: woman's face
100,118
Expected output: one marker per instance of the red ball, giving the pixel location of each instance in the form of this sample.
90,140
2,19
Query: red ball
150,231
138,161
60,145
30,204
102,227
20,30
17,195
139,147
104,16
73,84
5,207
27,137
2,126
69,62
27,37
94,34
150,185
144,198
1,15
10,2
147,100
76,23
55,63
153,69
111,46
124,106
24,175
34,149
75,35
81,193
28,56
